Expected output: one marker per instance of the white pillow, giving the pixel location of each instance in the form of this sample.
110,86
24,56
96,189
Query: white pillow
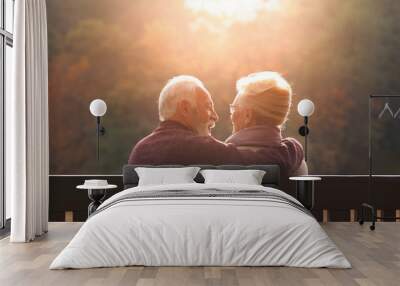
248,177
163,176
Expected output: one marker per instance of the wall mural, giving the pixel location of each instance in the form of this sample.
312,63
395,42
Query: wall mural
334,52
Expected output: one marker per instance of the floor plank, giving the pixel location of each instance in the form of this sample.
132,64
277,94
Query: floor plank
375,256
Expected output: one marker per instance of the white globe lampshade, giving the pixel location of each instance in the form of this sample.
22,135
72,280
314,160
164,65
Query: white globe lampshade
98,107
305,107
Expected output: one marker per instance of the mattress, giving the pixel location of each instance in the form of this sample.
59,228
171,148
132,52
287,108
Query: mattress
201,225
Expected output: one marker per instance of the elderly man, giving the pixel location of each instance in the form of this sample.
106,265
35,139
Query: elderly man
261,107
187,115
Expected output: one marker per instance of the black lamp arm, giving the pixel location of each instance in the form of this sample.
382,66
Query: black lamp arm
100,131
99,128
304,131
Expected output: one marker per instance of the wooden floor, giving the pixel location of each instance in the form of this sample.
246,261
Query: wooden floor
375,257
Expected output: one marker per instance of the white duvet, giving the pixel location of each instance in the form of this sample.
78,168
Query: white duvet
200,231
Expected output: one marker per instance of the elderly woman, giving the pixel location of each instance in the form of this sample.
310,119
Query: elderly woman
259,110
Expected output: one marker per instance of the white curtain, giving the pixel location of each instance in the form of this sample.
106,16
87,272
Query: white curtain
27,148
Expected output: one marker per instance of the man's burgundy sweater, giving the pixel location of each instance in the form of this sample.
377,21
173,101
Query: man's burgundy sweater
173,143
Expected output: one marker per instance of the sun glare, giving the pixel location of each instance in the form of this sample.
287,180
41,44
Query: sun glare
233,10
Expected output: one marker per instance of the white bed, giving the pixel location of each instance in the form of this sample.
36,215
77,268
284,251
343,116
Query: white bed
184,230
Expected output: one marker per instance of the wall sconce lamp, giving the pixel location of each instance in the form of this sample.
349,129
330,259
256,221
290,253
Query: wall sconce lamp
305,108
98,108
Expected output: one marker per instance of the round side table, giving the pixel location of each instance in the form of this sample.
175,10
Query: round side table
305,190
96,194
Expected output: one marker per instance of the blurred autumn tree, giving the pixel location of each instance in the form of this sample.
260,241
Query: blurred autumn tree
334,52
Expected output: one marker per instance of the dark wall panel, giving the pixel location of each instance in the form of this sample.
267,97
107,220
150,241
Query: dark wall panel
338,194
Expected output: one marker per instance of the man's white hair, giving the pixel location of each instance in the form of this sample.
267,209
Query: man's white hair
177,88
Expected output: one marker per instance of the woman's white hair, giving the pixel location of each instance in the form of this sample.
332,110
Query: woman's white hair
268,94
259,82
182,87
